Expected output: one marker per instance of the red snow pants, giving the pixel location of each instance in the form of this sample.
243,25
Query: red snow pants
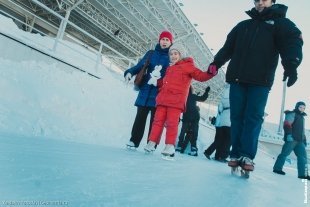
169,117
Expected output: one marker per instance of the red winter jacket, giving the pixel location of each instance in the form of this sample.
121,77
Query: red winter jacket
174,88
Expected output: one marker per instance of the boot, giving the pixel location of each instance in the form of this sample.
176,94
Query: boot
178,149
207,155
130,144
279,172
168,150
193,151
150,147
304,177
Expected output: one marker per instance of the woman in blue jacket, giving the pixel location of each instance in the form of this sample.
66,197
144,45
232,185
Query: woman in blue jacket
145,102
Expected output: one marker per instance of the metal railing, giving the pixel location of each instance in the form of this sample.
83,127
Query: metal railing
61,31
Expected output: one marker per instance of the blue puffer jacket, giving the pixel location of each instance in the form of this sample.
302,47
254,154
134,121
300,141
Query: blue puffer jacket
147,93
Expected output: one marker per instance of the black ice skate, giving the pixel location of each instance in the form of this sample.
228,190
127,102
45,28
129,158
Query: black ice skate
193,152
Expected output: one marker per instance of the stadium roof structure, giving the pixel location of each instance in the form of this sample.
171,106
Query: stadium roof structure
127,27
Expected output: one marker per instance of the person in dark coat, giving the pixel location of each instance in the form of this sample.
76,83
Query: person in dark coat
145,102
190,122
253,47
295,139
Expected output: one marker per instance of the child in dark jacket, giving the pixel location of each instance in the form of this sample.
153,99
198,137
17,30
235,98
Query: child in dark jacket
295,139
171,98
190,122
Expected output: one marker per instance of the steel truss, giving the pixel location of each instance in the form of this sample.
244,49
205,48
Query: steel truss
129,27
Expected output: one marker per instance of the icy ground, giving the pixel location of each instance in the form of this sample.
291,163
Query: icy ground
38,169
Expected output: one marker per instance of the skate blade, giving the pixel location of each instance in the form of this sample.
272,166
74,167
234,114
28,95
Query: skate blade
235,171
148,152
167,154
245,174
169,158
131,148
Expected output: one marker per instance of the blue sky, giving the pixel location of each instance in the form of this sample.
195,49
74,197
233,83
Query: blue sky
216,18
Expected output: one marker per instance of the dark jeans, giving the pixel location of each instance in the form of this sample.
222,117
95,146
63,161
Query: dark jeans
189,133
139,124
300,152
221,143
247,106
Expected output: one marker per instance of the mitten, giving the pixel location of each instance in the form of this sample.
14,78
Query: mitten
291,74
212,69
207,89
128,77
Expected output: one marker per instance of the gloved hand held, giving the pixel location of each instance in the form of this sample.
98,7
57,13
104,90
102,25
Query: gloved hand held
212,69
289,138
291,74
128,77
207,89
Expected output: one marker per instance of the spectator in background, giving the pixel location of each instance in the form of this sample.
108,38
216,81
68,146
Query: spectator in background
221,143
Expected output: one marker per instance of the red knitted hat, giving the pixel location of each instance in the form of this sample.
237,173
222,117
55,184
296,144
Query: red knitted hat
166,34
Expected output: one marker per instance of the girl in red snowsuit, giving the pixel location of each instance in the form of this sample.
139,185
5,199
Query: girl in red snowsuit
171,98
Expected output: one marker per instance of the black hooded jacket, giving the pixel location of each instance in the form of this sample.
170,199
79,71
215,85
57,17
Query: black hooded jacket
254,45
192,111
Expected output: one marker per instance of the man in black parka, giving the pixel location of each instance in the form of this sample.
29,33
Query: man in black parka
253,48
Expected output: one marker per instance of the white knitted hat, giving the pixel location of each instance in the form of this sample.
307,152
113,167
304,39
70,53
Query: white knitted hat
178,47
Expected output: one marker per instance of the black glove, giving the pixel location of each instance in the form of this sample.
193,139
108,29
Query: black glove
207,89
291,74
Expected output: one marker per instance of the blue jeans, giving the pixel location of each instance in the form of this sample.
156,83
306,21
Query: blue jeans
247,107
300,152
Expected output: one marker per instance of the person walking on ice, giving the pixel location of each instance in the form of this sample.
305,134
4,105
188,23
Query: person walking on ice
295,140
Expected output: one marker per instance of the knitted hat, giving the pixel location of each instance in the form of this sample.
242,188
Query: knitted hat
299,103
166,34
178,47
274,1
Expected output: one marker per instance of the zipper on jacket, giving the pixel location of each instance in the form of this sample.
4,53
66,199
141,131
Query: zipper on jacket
236,79
254,37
